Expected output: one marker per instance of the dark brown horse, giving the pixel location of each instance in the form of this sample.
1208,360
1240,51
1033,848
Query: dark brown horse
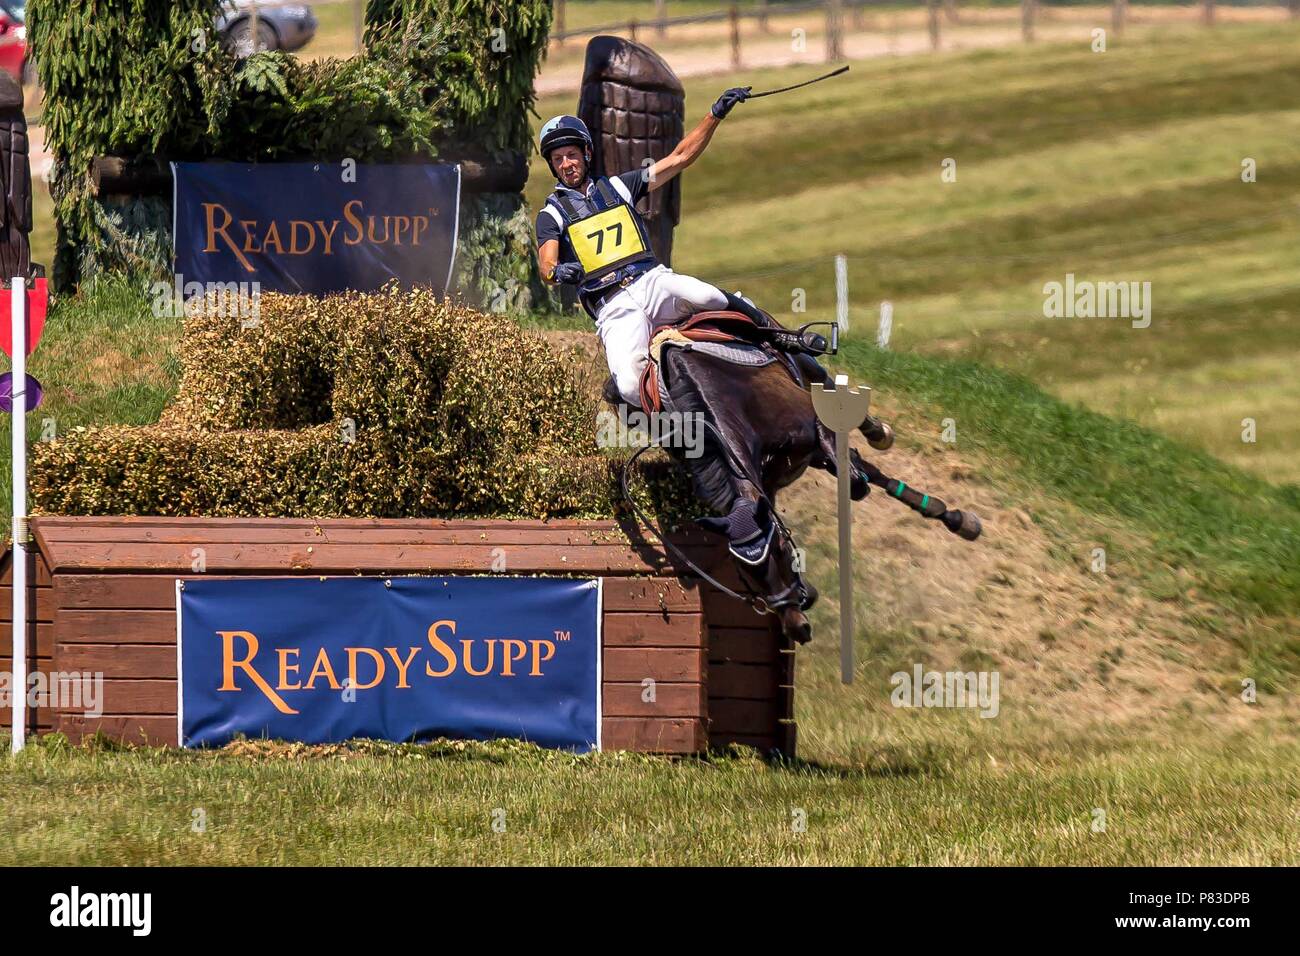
760,434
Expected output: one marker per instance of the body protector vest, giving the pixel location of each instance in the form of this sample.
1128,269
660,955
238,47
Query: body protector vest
605,235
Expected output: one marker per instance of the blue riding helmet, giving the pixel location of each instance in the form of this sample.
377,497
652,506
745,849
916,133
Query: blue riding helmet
564,131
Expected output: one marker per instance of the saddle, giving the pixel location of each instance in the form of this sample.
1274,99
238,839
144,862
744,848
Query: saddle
730,336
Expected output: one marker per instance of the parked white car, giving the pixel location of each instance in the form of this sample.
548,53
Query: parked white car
280,26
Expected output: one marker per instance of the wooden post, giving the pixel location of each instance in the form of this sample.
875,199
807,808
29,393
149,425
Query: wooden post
661,14
559,22
734,16
253,19
932,9
834,28
762,17
1117,14
1027,20
359,22
631,29
950,10
1208,14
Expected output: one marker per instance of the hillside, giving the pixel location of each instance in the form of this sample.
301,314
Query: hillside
1198,589
1124,165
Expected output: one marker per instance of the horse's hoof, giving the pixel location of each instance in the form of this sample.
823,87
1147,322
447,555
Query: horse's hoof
859,486
964,524
884,437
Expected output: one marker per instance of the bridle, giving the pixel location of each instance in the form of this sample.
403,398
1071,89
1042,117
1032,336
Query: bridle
795,593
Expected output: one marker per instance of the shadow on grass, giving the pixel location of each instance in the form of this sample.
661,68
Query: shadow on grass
885,762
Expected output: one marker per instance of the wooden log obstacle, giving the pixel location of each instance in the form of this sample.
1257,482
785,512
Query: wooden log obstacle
102,599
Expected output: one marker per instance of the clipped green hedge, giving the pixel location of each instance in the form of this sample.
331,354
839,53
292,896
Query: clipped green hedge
149,77
390,404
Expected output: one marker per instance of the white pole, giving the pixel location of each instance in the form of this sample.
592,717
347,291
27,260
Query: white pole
886,325
844,472
18,421
842,293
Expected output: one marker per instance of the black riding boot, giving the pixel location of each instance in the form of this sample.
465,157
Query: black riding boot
808,366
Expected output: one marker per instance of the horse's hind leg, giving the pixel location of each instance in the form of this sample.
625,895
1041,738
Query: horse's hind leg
879,433
964,524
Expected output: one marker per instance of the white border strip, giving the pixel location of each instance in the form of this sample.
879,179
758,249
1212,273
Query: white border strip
180,671
600,661
455,236
174,215
620,187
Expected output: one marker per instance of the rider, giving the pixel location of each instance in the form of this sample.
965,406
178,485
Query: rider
620,282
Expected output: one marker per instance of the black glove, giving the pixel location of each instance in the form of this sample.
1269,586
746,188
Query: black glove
567,273
737,94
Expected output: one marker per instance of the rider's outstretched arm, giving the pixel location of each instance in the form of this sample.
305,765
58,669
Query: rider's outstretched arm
693,143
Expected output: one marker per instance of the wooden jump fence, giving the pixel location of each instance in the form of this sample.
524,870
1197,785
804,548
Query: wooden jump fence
102,599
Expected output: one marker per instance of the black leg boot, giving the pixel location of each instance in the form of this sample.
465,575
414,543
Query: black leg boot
808,366
746,308
811,369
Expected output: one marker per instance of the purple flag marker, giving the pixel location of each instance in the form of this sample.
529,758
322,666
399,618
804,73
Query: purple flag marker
34,392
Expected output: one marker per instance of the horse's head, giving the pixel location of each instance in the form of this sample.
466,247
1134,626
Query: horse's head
765,556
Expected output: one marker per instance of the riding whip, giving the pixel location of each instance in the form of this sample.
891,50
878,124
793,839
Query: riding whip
787,89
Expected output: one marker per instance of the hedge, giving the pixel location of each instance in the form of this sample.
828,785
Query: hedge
389,404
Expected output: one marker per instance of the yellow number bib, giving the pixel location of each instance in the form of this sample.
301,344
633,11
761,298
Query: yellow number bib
606,239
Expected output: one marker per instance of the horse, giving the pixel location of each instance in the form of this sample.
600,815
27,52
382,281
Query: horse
761,434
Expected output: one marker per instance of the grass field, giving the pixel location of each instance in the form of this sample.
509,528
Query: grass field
933,799
1123,737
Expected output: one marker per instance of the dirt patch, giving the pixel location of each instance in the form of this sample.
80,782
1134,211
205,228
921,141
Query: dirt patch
1066,640
112,368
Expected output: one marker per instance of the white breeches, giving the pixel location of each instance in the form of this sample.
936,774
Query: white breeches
627,321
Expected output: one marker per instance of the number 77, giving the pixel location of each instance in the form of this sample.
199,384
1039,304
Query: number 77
599,236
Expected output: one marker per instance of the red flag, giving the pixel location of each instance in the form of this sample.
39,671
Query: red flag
38,298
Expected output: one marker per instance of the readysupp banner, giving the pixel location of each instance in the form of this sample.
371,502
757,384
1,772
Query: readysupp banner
398,659
315,227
